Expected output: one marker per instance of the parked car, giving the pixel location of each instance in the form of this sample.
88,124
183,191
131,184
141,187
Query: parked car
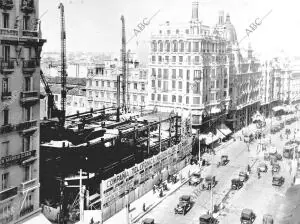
210,182
262,167
243,176
184,205
276,168
268,219
236,184
278,181
195,179
224,160
207,219
148,221
247,216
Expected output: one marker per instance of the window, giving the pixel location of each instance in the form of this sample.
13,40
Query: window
180,73
174,59
173,85
168,45
217,84
159,84
153,58
102,83
187,100
212,97
102,94
196,100
97,94
217,96
108,83
5,147
225,94
135,85
27,113
165,98
196,46
91,82
26,22
196,87
26,143
187,87
5,20
56,97
142,99
187,31
153,83
180,99
180,85
5,211
168,31
196,119
197,74
115,84
134,97
5,116
180,59
152,96
187,74
27,173
166,74
6,53
196,59
212,84
158,97
90,93
159,73
189,47
143,86
177,31
173,99
153,71
4,182
173,73
97,83
166,58
225,83
4,85
115,95
165,87
27,83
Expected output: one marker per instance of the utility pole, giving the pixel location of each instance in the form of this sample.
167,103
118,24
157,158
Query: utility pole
199,153
81,195
124,70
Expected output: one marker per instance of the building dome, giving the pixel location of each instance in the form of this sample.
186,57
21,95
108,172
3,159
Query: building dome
229,33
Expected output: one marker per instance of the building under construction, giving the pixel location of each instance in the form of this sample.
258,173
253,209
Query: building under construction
101,143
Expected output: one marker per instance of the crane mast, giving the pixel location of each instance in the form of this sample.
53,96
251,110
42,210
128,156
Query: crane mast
63,64
124,75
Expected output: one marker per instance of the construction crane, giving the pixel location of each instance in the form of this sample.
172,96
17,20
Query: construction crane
63,65
124,70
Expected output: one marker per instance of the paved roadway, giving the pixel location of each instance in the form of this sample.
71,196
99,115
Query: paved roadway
259,195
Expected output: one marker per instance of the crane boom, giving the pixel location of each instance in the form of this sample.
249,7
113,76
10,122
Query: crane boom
124,75
63,64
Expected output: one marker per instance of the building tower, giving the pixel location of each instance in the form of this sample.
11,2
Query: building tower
20,50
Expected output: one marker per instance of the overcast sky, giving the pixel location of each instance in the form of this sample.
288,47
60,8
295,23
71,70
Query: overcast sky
95,25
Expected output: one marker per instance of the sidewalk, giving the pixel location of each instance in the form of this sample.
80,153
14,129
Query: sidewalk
151,200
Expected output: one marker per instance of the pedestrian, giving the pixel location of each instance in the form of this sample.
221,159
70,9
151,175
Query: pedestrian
144,207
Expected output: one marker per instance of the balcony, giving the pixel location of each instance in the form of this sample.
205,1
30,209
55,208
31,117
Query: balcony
19,158
6,129
26,210
7,66
29,97
7,218
28,125
8,193
29,185
5,96
9,32
29,66
6,4
27,6
90,98
29,33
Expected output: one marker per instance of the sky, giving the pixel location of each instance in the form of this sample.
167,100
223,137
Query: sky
95,25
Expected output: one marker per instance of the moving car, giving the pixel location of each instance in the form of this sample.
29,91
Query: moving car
243,176
278,181
268,219
247,216
184,205
195,179
276,168
207,219
210,182
224,160
148,221
236,184
262,167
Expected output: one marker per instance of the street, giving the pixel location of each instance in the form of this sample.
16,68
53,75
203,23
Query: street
256,194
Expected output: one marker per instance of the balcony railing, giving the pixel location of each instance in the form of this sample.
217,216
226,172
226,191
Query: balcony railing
8,193
26,125
26,210
6,129
7,65
8,32
5,95
6,4
29,96
8,160
30,33
28,184
29,64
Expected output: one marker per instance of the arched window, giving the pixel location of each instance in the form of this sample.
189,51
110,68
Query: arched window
168,46
154,46
175,46
160,45
181,46
177,31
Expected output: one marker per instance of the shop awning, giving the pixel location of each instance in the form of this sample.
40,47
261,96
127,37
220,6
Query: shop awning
278,108
39,219
220,134
225,130
210,138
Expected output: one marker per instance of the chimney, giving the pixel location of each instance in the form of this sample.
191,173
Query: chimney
195,6
228,18
221,17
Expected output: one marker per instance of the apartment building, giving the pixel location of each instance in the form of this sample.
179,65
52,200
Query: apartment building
101,89
20,47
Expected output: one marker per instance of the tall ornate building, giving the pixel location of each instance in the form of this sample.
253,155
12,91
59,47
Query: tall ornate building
20,48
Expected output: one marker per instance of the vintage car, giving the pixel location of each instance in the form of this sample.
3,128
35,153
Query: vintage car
275,167
207,219
148,221
195,179
262,167
278,181
236,184
247,216
184,205
243,176
268,219
224,160
209,182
